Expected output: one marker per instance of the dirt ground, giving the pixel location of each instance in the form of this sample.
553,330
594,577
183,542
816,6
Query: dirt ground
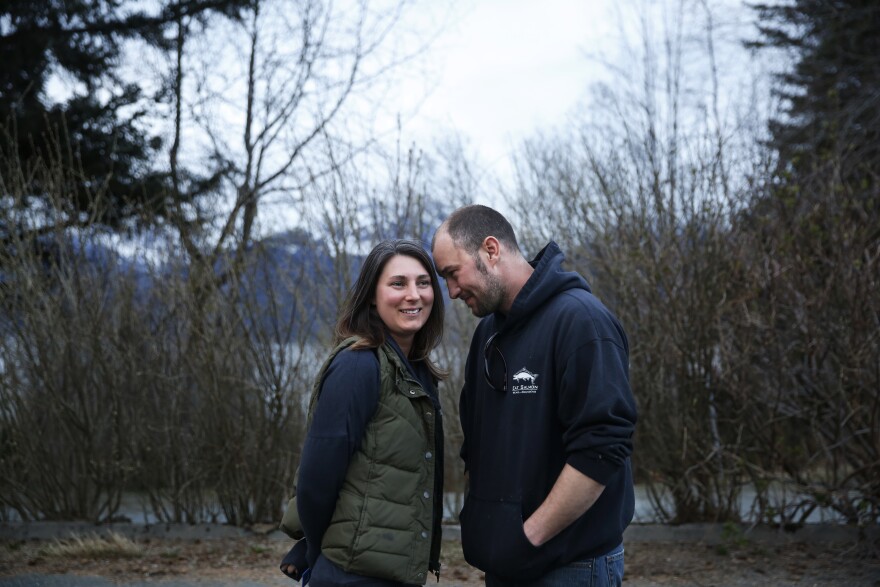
255,559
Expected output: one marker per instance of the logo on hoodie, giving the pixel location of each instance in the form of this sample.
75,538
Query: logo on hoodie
524,382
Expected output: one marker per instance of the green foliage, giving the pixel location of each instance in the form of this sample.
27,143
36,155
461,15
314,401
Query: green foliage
733,534
831,122
97,130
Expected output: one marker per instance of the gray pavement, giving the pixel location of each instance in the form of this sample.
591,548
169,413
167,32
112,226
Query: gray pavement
86,581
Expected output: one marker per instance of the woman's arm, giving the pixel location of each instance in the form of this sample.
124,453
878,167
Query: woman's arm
348,400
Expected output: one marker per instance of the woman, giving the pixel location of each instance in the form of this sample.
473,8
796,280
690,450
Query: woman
370,482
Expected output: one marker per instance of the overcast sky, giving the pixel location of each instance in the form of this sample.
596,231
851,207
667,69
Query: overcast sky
503,69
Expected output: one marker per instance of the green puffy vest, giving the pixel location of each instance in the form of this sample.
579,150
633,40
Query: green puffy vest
383,524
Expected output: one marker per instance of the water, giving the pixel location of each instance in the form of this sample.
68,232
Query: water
135,508
645,514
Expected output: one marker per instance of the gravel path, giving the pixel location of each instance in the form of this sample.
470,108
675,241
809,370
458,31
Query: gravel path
656,556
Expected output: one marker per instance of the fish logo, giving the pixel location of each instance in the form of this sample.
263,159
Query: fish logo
524,375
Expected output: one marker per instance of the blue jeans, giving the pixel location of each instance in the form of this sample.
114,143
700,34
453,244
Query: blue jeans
327,574
602,571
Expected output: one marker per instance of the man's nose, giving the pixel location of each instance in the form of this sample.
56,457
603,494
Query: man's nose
453,288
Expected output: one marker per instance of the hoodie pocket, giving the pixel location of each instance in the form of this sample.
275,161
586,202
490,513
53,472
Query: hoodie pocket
493,540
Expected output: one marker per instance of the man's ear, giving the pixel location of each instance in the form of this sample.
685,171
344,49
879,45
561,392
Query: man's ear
492,248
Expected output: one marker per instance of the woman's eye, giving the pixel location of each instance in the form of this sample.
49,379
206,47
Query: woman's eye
424,283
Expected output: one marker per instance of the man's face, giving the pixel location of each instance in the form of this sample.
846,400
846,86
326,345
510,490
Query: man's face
467,277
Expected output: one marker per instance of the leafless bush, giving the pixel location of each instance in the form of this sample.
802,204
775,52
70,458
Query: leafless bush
66,382
750,298
643,200
130,374
811,348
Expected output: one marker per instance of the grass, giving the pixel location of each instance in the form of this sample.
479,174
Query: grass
170,553
112,545
451,554
14,545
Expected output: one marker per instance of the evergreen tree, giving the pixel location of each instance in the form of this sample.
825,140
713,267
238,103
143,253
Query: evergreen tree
817,254
94,134
831,122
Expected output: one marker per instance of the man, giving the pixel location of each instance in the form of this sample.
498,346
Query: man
546,410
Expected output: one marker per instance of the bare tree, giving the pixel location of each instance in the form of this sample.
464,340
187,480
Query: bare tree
642,199
279,102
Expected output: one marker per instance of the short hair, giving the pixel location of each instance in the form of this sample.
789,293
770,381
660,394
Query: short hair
359,317
470,225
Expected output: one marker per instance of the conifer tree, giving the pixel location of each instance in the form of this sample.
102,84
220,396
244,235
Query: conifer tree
831,120
818,252
95,132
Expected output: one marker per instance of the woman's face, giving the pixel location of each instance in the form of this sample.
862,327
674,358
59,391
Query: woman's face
404,298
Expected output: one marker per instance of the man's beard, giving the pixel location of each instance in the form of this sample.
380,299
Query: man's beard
491,297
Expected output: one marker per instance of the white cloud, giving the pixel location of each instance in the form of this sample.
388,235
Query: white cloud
509,67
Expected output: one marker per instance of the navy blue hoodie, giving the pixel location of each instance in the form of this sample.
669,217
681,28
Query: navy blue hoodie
565,359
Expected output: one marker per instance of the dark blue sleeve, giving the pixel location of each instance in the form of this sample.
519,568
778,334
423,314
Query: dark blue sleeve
466,400
597,409
464,413
348,400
